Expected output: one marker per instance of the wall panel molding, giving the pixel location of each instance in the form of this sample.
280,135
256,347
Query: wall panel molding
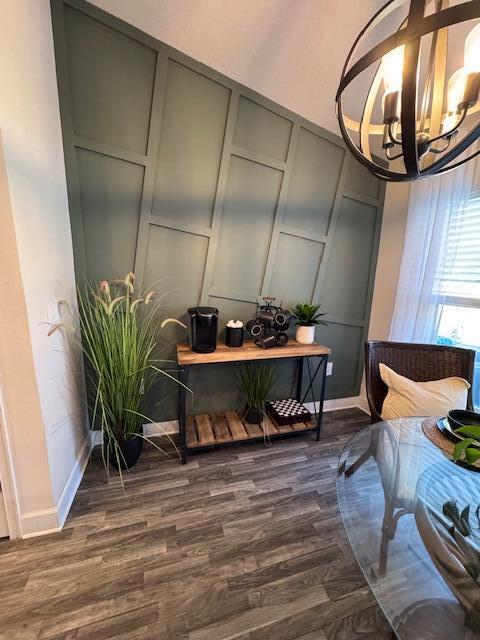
245,191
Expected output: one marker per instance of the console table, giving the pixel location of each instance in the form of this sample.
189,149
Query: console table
210,429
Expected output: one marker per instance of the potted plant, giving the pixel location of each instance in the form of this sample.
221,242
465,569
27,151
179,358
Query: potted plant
119,332
306,319
256,380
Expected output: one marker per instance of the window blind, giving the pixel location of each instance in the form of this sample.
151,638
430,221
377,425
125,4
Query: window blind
459,275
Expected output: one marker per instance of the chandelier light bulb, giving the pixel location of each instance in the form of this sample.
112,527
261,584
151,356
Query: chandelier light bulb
455,94
392,70
472,50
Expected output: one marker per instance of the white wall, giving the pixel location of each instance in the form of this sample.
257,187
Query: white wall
24,458
389,259
32,144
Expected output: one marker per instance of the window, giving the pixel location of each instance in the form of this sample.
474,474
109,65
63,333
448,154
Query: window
458,284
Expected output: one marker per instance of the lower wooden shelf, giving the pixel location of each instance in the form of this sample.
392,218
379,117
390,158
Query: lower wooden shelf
220,428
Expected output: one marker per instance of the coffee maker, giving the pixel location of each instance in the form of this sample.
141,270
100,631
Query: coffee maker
203,333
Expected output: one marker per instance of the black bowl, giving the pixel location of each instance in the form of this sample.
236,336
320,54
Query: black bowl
458,418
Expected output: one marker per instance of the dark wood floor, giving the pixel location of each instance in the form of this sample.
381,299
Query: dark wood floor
243,543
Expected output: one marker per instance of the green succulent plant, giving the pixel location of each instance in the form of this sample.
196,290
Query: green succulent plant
306,314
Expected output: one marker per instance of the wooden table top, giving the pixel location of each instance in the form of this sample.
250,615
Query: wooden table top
249,351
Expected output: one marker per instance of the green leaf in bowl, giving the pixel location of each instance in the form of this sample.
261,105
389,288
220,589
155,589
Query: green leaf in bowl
470,430
472,455
461,447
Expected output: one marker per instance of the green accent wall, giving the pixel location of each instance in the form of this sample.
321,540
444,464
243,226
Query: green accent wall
211,192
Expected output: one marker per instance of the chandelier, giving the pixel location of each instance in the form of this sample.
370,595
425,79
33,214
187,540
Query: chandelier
413,97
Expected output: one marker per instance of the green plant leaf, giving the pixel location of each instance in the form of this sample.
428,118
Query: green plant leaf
306,313
472,455
256,381
460,448
473,431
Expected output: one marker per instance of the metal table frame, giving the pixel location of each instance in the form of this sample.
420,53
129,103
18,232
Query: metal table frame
312,373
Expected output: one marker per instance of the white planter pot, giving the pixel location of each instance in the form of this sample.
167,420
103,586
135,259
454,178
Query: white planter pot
305,334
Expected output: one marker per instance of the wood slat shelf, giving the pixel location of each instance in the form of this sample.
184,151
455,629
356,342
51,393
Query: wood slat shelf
220,428
249,351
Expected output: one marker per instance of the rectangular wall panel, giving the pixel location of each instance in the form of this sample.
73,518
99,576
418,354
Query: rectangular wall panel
246,226
313,185
111,83
346,343
360,180
345,292
110,193
191,143
231,310
295,270
176,262
261,130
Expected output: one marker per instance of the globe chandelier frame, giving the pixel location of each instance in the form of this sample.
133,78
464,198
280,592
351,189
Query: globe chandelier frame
418,138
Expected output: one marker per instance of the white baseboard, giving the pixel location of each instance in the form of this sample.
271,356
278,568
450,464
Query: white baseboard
359,402
74,479
40,523
153,429
170,427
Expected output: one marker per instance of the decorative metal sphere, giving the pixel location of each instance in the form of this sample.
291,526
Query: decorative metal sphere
421,108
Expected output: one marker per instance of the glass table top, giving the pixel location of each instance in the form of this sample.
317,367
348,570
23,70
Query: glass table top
392,486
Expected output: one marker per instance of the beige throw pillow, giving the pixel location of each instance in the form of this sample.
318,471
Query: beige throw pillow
407,398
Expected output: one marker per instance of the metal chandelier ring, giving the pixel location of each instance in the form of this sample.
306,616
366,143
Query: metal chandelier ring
409,36
445,18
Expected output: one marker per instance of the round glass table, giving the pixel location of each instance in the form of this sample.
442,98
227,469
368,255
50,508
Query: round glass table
403,504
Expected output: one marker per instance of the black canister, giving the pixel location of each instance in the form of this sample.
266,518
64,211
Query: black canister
234,337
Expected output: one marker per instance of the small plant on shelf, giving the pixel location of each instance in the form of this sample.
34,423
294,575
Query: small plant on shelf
256,380
307,317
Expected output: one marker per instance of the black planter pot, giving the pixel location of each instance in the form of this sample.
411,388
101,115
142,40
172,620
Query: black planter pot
253,415
131,450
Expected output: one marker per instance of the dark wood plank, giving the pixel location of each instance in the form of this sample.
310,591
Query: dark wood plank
192,437
253,430
235,425
300,426
220,427
204,429
269,427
